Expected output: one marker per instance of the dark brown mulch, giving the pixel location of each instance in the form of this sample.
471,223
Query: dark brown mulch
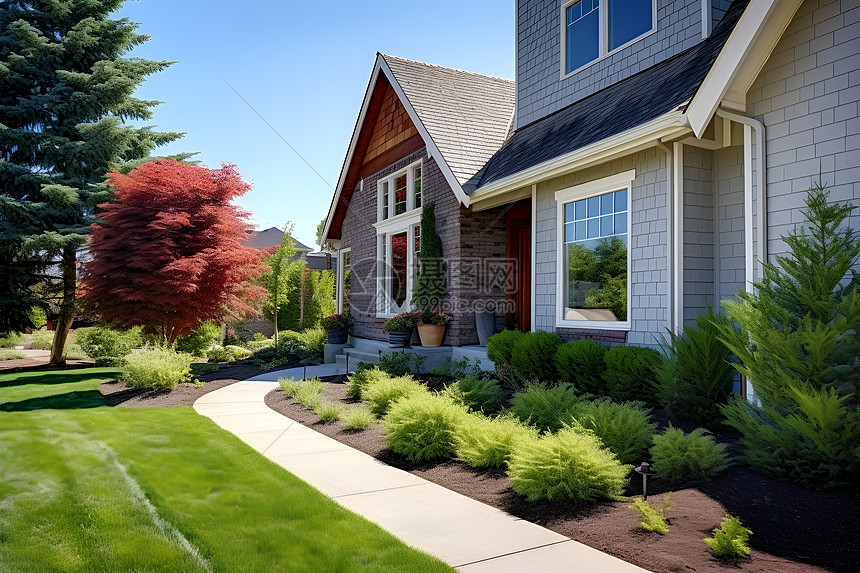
781,516
117,394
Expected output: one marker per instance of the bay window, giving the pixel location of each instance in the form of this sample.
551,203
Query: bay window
593,260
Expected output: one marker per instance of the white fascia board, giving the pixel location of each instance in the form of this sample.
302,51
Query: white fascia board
641,137
359,122
432,149
741,59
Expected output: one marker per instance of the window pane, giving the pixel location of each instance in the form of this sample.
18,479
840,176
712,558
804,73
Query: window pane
384,200
621,223
580,231
628,19
417,232
569,212
593,228
594,207
607,204
606,226
417,187
397,292
582,34
400,195
568,233
347,282
620,200
580,209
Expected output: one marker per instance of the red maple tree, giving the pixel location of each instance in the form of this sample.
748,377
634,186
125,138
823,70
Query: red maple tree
168,253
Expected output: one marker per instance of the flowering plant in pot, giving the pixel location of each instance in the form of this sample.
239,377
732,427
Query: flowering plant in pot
431,329
337,326
399,328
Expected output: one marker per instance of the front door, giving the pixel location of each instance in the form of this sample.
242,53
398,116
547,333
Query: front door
519,249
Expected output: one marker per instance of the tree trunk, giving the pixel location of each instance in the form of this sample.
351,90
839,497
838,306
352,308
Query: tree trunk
67,307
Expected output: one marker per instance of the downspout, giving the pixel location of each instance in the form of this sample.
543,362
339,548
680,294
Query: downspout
670,227
756,128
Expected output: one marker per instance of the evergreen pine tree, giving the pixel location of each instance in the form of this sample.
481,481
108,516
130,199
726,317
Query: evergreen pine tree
65,92
432,283
798,345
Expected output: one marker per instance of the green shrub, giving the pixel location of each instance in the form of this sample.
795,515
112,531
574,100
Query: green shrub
730,540
75,352
631,373
500,346
238,352
581,363
697,375
401,363
488,442
423,427
381,393
571,464
201,368
9,354
42,339
651,519
357,381
10,340
626,429
545,408
157,368
308,392
198,341
328,411
680,458
219,354
532,356
357,418
304,347
477,394
106,345
255,345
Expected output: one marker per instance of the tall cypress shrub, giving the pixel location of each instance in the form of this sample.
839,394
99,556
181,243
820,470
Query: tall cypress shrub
432,284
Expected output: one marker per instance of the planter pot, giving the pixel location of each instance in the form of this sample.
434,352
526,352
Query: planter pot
337,336
399,338
431,334
486,326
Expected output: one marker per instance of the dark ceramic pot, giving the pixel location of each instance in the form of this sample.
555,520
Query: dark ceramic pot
337,336
400,338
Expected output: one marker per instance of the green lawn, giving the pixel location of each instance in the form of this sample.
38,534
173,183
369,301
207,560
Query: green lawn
86,487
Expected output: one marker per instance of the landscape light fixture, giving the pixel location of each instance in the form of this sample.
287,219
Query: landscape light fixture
645,469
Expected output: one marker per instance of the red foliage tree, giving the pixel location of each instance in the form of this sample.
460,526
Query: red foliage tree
168,253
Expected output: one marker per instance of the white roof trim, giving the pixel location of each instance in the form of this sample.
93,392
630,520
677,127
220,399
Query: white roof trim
747,49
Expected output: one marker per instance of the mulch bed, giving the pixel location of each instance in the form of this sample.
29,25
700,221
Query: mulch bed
795,529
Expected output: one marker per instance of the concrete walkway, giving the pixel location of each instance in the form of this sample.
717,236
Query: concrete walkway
465,533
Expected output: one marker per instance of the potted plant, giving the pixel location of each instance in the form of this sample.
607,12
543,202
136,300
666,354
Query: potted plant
337,326
399,329
431,329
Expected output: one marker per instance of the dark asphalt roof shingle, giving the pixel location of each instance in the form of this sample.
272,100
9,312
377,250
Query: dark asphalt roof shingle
629,103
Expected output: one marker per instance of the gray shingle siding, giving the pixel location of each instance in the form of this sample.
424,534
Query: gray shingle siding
729,234
699,281
541,89
807,96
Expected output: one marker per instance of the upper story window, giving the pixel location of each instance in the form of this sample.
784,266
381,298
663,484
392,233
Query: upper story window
594,28
399,193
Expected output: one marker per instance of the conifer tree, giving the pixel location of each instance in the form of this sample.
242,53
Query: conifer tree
432,284
66,91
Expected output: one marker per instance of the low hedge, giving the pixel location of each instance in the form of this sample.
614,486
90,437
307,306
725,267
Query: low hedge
424,427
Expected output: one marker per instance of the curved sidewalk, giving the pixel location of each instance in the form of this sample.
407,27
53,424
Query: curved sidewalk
464,533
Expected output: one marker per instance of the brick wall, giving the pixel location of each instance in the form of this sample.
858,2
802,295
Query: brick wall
540,88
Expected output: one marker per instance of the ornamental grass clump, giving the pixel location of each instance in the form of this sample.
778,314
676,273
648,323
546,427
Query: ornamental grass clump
328,411
730,540
487,442
650,518
681,458
570,465
361,378
545,408
357,418
157,368
381,393
307,392
424,427
626,429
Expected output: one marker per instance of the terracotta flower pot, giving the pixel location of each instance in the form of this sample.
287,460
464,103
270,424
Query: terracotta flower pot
399,338
431,334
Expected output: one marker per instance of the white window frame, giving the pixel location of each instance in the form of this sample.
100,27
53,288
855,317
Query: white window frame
341,256
394,225
610,184
603,48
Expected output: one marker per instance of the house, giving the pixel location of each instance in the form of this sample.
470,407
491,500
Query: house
271,237
656,152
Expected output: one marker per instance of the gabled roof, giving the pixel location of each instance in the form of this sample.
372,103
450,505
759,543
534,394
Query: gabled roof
620,107
462,118
269,238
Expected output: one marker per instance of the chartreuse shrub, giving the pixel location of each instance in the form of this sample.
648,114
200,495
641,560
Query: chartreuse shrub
697,375
308,392
581,363
631,373
42,339
572,464
546,408
157,368
680,458
730,540
488,442
626,429
9,354
238,352
357,417
650,518
219,354
532,355
381,393
328,411
357,381
477,394
799,345
107,345
198,341
423,426
500,346
10,340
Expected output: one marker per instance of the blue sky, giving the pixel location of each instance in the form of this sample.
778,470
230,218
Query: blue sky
304,67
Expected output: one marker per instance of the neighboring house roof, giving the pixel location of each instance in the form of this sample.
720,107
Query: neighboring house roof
622,106
461,117
271,237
